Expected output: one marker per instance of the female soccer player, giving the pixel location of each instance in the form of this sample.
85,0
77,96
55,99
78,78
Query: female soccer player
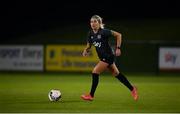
98,36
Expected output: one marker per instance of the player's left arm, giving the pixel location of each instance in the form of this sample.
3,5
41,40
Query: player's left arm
118,37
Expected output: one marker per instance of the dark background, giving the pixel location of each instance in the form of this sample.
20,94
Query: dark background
24,18
145,26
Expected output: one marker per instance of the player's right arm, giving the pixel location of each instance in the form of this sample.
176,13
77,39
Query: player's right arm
86,49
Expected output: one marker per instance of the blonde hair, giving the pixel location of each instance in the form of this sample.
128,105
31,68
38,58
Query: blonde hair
99,19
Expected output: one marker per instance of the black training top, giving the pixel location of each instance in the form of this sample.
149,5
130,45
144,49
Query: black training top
100,41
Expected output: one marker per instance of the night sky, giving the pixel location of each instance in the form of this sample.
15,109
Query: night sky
19,18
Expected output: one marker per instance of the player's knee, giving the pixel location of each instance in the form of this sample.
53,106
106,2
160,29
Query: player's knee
95,71
115,73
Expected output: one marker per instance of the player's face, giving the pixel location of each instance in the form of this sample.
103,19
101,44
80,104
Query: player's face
94,24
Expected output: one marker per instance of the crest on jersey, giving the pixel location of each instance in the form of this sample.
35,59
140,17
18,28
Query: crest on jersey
91,37
99,36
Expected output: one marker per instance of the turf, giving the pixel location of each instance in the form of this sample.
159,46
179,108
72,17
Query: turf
27,92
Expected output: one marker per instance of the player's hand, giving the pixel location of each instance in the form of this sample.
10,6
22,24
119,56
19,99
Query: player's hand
118,52
85,53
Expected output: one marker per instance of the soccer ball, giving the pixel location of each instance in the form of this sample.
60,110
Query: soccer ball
54,95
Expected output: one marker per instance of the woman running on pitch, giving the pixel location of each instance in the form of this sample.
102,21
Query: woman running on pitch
98,36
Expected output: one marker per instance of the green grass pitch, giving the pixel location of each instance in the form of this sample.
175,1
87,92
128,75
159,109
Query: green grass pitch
28,92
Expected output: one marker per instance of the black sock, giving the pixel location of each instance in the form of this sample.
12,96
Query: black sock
124,80
95,81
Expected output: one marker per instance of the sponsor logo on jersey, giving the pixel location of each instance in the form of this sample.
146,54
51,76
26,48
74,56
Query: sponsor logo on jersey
99,36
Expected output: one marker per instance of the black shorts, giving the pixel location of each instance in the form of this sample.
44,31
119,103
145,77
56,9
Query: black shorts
108,59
